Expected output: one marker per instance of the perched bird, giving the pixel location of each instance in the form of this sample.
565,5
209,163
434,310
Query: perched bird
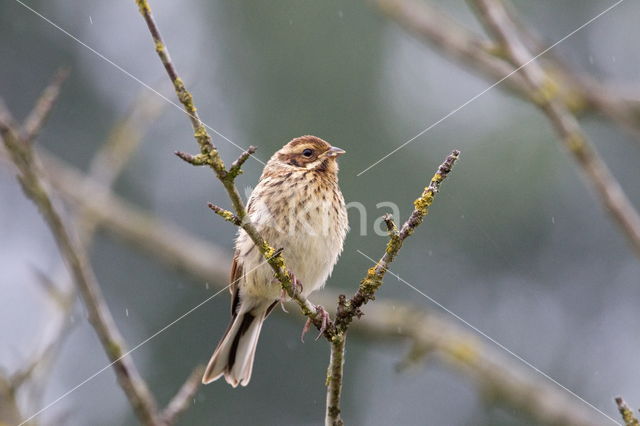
296,206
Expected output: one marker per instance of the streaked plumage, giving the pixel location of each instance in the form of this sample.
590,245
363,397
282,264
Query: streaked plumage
297,205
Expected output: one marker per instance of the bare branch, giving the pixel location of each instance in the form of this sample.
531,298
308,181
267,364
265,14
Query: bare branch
125,138
542,92
627,414
225,214
180,401
184,96
579,92
9,409
40,112
236,166
429,23
194,160
347,310
135,226
99,315
334,381
372,282
56,336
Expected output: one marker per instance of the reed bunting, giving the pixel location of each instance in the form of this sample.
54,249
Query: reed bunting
297,206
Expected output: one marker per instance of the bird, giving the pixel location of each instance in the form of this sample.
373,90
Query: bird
297,206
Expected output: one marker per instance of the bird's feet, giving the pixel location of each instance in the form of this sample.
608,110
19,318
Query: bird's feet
324,321
283,298
296,286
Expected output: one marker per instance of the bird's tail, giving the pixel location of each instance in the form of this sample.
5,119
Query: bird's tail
234,355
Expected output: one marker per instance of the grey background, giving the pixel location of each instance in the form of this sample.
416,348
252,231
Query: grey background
516,243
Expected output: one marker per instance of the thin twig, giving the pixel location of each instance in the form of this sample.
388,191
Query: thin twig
225,214
347,310
236,166
627,414
373,280
64,301
542,92
181,400
386,320
40,112
579,92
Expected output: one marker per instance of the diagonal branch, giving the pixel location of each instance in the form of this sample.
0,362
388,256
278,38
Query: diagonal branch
348,310
40,112
578,91
373,280
627,414
21,154
209,156
180,401
542,92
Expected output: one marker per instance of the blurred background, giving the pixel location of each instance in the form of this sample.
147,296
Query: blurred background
516,243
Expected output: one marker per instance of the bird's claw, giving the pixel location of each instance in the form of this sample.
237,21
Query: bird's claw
296,286
283,298
305,329
324,315
324,321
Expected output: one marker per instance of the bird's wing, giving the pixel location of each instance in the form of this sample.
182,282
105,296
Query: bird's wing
236,275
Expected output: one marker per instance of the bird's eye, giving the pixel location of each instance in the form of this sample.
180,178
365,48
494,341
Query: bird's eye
307,152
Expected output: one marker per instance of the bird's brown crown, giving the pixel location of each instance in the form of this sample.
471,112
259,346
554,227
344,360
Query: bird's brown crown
309,153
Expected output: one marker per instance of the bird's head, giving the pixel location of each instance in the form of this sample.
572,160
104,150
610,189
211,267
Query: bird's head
307,153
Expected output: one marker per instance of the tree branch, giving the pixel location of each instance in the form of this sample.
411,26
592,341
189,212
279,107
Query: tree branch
209,156
21,154
39,114
180,401
579,92
373,280
542,92
334,381
627,414
347,310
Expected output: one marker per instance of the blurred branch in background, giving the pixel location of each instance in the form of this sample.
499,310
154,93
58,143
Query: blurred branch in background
549,85
499,379
497,21
627,414
105,168
581,93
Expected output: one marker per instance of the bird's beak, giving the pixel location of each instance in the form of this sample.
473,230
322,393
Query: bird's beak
334,151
